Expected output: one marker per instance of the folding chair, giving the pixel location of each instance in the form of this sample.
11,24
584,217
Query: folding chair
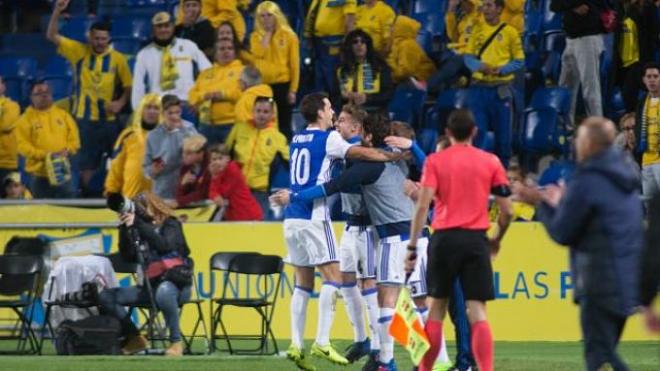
264,267
199,323
20,277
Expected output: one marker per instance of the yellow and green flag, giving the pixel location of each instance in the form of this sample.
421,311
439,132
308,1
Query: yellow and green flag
407,327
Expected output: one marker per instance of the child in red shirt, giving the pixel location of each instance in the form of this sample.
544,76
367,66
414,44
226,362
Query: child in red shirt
228,188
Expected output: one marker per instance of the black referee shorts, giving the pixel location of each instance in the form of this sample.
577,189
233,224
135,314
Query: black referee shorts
460,253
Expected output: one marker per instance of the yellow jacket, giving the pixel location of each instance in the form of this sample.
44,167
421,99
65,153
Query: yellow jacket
513,14
224,79
330,17
125,174
9,114
459,31
377,22
39,133
254,150
280,61
407,58
245,103
218,11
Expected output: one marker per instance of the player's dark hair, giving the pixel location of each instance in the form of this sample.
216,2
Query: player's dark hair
378,126
100,26
311,104
651,66
357,113
460,124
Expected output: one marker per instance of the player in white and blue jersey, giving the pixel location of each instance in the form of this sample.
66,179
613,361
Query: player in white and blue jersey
308,232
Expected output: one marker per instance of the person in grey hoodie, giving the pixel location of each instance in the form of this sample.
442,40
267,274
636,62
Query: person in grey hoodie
162,157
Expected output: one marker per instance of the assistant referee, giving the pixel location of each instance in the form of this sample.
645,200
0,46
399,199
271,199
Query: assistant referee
461,178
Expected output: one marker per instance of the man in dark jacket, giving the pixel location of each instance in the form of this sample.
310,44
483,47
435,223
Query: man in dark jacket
599,215
580,62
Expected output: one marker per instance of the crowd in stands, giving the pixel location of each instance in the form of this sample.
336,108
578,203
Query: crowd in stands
205,108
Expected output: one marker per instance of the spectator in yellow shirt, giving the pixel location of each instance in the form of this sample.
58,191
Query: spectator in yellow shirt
407,58
255,146
364,77
462,18
513,14
275,49
47,136
376,18
125,175
100,72
13,188
251,88
216,91
9,114
218,11
326,23
493,54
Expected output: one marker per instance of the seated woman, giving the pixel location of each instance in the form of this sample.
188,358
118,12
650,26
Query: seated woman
163,235
194,178
364,77
229,190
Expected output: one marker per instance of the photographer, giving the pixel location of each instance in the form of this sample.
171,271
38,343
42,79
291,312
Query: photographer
165,254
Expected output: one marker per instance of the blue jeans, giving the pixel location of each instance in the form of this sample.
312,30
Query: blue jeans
458,315
492,107
41,188
168,299
215,133
96,138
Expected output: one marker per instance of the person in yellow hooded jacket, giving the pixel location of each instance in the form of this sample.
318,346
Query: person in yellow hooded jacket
376,17
252,88
125,175
275,50
513,14
218,11
9,114
255,145
47,136
407,58
216,92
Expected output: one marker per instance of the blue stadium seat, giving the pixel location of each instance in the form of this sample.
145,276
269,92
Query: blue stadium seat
558,170
558,99
446,102
551,67
61,86
541,132
533,22
433,22
23,67
297,121
131,63
143,3
280,177
131,26
57,65
26,43
554,41
76,27
551,20
615,107
16,89
129,46
407,105
427,139
425,40
429,6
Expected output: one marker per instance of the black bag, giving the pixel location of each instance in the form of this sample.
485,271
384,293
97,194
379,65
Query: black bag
181,275
89,336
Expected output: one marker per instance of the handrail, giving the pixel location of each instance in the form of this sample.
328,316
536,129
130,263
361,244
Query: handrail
79,202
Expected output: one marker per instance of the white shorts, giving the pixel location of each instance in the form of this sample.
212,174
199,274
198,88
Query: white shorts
357,251
309,242
417,280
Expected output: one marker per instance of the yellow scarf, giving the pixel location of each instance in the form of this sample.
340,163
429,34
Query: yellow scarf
168,70
205,112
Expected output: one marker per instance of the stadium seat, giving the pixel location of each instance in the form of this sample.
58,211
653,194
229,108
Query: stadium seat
76,27
541,132
426,139
554,41
615,107
16,89
551,67
425,40
558,99
131,27
446,102
57,65
407,105
429,6
433,22
23,67
25,43
551,20
61,86
558,170
297,121
129,46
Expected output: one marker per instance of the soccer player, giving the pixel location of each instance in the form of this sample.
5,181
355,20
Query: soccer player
461,178
307,230
390,212
357,250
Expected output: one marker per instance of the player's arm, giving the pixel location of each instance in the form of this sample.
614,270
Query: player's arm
51,32
408,144
372,154
505,217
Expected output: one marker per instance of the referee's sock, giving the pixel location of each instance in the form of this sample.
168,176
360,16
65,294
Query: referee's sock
299,301
373,311
355,310
327,302
433,331
386,340
443,357
482,345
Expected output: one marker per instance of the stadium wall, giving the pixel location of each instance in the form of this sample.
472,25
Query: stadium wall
532,282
